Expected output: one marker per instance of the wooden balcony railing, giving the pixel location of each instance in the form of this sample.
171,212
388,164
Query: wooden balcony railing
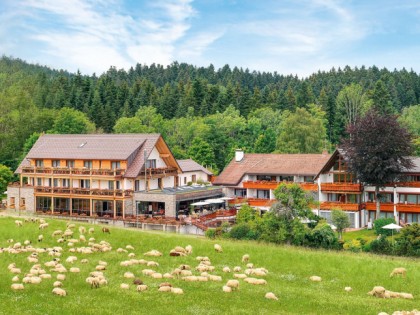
116,193
329,205
256,202
341,187
72,171
389,207
160,172
273,185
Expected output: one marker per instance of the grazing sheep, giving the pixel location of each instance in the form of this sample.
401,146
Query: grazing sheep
215,278
45,276
399,271
137,281
154,253
165,284
15,270
226,269
250,265
15,279
74,270
239,275
147,272
129,275
315,278
237,269
188,249
141,288
71,259
218,248
227,289
40,238
59,291
347,289
82,238
255,281
106,230
168,276
271,296
18,223
84,261
17,286
190,278
177,290
129,247
234,284
43,226
57,284
152,264
91,230
245,258
184,267
102,263
27,242
186,273
82,230
100,267
57,233
157,275
124,286
61,277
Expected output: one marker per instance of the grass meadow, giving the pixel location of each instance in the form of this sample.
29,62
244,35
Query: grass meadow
289,271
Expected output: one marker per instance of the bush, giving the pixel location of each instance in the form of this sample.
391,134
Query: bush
322,236
353,245
379,223
211,234
380,246
243,231
408,244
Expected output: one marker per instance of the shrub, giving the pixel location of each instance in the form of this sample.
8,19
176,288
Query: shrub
408,244
211,233
243,231
353,245
379,223
246,214
322,236
380,246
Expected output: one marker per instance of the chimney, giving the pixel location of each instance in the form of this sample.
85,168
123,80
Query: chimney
239,155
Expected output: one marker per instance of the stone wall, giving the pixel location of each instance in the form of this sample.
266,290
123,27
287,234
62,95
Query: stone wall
21,194
169,200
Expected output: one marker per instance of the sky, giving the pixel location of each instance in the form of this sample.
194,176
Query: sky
284,36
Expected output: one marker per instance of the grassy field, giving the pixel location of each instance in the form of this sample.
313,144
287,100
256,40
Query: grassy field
289,270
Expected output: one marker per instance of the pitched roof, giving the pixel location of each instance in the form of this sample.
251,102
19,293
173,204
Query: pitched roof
272,164
191,166
94,146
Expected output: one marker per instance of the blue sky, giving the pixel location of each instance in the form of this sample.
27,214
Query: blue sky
288,36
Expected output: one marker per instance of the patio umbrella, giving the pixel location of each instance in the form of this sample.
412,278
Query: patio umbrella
200,203
392,227
214,201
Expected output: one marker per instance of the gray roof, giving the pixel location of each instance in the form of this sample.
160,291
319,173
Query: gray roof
190,165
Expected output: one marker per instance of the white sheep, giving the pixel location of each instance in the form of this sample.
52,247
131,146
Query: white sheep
74,270
154,253
91,230
82,230
59,291
141,288
18,223
227,289
239,275
234,284
226,269
40,238
215,278
82,238
157,275
168,276
61,277
124,286
177,290
57,233
399,271
271,296
15,279
100,267
57,284
17,286
315,278
347,289
188,249
129,275
237,269
245,258
71,225
165,289
218,248
152,264
129,247
84,261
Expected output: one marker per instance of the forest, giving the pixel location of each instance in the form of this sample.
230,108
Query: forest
202,112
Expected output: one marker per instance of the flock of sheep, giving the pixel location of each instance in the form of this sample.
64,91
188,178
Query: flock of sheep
38,272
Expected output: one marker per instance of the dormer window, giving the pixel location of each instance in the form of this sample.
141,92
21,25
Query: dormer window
151,163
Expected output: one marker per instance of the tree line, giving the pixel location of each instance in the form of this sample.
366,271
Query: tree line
203,112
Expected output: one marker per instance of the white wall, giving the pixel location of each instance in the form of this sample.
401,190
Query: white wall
188,175
154,155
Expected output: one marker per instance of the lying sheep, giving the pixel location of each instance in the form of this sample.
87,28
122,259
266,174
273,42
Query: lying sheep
57,284
271,296
315,278
129,275
141,288
154,253
129,247
177,291
165,289
399,271
234,284
255,281
218,248
377,291
61,277
237,269
59,291
17,286
74,270
188,249
226,269
347,289
15,279
227,289
124,286
239,275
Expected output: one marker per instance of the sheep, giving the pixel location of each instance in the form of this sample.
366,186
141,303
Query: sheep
186,273
56,233
40,238
165,289
74,270
129,247
91,230
57,284
271,296
27,242
15,270
234,284
18,223
102,263
348,289
129,275
157,275
239,275
177,291
218,248
71,259
84,261
152,264
137,281
255,281
154,253
227,289
399,271
17,286
45,276
32,259
184,267
100,267
168,276
406,295
245,258
141,288
226,269
147,272
190,278
315,278
202,279
82,238
43,226
59,291
36,280
15,279
237,269
188,249
82,230
121,250
250,265
124,286
106,230
61,277
377,291
215,278
165,284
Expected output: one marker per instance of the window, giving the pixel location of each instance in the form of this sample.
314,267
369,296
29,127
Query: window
185,181
56,182
286,178
240,193
118,184
151,164
70,163
111,184
87,164
137,185
193,178
308,179
39,181
160,183
115,165
263,194
405,198
84,183
22,202
12,201
55,163
266,178
39,163
65,182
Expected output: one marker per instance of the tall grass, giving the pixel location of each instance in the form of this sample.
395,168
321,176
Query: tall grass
289,270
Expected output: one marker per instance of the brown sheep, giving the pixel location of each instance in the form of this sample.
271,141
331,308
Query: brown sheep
106,230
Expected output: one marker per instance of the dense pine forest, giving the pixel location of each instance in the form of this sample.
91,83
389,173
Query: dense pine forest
202,112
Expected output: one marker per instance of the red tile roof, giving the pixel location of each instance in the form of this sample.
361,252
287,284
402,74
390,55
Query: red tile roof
191,166
272,164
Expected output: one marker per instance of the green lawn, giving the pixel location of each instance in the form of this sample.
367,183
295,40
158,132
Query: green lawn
366,234
289,270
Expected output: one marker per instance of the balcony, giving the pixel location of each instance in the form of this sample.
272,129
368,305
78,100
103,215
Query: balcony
255,202
273,185
330,205
97,193
389,207
341,187
160,172
72,171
